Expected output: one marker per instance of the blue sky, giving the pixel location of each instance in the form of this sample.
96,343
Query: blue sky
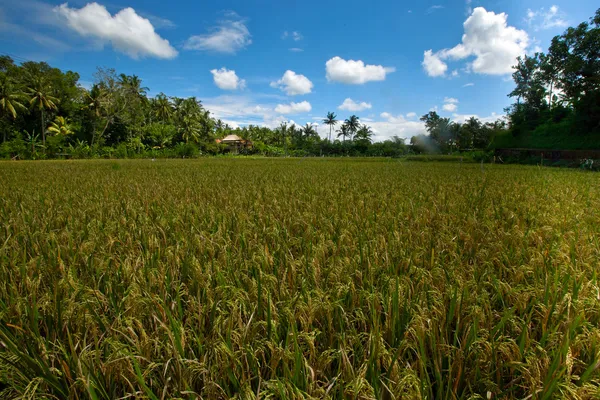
264,62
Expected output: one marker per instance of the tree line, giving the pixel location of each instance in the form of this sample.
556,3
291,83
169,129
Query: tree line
46,113
557,93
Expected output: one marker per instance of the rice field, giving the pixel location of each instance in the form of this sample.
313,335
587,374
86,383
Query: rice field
298,278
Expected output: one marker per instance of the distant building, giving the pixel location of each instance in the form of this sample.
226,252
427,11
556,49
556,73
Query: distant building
235,143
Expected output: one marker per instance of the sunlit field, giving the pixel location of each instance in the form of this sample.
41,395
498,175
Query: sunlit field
298,278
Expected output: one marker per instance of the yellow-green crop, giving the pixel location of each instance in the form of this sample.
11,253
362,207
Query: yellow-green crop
297,278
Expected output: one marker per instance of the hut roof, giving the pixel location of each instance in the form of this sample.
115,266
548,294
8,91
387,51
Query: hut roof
232,138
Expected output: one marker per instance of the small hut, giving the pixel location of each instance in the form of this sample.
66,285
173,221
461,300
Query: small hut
235,143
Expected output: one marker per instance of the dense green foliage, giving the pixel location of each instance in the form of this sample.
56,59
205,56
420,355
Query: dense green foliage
445,135
298,278
558,93
45,113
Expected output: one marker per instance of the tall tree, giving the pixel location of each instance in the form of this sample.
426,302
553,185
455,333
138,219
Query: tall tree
440,129
42,100
352,124
133,85
282,132
94,102
577,52
530,85
11,99
330,120
364,134
343,131
188,116
163,109
115,100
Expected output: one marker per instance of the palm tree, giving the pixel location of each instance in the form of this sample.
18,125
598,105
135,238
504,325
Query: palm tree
61,126
343,131
309,131
189,115
41,99
331,121
10,100
352,124
163,107
95,100
364,134
133,85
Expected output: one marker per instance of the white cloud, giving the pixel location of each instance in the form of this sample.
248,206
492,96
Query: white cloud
252,109
395,125
126,30
411,115
468,84
354,72
229,37
546,19
489,39
455,73
295,35
434,8
450,107
227,79
293,84
462,118
296,49
433,65
158,22
293,108
242,110
351,105
450,104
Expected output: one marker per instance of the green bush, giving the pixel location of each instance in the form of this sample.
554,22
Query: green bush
186,150
15,148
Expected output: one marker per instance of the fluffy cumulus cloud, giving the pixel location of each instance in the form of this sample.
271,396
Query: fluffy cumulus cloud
396,125
293,108
433,64
126,30
354,72
293,84
450,104
546,19
229,37
487,37
227,79
351,105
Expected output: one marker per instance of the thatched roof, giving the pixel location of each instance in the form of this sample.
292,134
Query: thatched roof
232,139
